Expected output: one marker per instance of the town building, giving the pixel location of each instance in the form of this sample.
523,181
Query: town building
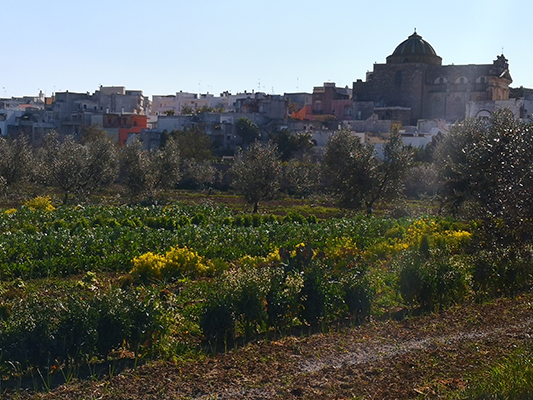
413,85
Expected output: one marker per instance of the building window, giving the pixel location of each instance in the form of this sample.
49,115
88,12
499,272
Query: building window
482,79
440,81
461,80
399,77
347,110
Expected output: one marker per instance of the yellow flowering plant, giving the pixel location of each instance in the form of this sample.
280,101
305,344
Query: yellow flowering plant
40,203
174,264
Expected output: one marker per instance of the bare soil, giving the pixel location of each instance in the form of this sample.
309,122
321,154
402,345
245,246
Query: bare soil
378,360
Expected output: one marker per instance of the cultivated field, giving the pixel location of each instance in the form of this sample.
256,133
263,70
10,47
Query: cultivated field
200,300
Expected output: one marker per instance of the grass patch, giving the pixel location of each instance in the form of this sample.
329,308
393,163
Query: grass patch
510,378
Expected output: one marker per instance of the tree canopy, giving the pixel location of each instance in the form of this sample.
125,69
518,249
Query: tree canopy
257,172
292,144
147,172
357,176
77,168
247,130
193,143
487,165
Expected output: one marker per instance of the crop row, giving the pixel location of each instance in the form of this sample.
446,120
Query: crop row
69,241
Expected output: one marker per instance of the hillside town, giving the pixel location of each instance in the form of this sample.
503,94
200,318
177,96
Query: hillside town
412,92
363,241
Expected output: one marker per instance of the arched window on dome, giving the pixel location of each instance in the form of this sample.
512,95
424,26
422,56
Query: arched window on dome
482,79
441,81
461,80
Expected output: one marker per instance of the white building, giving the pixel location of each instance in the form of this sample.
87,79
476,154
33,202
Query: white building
176,103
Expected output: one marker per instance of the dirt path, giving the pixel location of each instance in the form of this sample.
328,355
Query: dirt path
379,360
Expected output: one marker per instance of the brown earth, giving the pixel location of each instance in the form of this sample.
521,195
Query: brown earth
378,360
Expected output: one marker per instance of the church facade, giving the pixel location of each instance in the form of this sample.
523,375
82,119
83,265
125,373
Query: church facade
413,85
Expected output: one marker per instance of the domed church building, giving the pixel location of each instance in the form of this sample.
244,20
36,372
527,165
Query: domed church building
413,84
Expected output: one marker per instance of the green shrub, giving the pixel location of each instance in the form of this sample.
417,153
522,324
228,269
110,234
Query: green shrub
294,217
198,219
433,282
184,221
101,220
313,297
270,219
312,219
227,221
502,271
238,220
282,299
161,223
358,295
77,326
257,220
217,321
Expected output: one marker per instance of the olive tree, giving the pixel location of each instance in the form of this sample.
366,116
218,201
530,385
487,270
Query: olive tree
247,130
357,176
146,172
487,165
301,176
76,168
257,173
198,174
16,161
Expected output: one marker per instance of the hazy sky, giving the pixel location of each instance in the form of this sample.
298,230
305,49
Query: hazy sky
164,46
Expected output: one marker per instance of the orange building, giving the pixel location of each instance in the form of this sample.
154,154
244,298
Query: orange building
126,124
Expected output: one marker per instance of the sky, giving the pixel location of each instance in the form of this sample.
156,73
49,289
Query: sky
274,46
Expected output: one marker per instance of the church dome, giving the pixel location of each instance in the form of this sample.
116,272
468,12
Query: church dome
414,50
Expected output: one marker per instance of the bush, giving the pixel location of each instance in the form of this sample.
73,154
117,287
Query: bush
503,271
217,321
294,217
147,267
198,219
75,327
282,299
161,223
313,297
175,264
184,262
40,203
238,220
358,295
432,281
